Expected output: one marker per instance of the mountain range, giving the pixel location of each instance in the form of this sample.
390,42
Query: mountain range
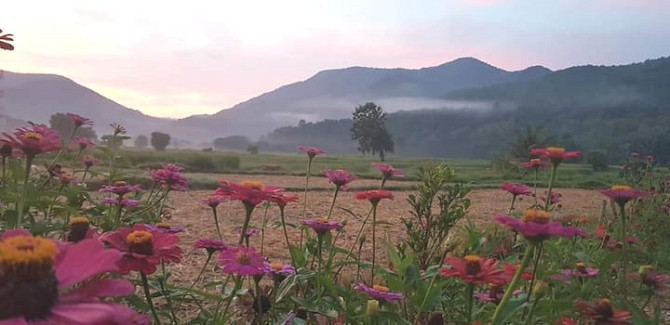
329,94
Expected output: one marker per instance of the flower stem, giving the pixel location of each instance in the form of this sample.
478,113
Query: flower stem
624,243
535,185
319,252
551,185
249,208
358,236
471,293
265,221
511,206
538,254
309,172
497,315
147,294
374,242
216,223
202,271
332,204
24,194
288,243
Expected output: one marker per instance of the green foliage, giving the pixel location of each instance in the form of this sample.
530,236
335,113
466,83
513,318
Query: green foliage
597,159
233,142
369,129
531,137
252,149
426,230
64,126
141,142
160,140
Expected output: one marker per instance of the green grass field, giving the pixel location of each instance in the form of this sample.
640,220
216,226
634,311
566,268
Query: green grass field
204,168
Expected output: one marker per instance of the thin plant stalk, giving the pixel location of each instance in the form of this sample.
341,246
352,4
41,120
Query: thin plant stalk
24,193
471,294
374,242
147,295
535,184
265,221
288,243
216,223
309,172
550,187
497,315
4,162
538,254
511,206
202,270
249,208
624,242
358,236
332,204
168,300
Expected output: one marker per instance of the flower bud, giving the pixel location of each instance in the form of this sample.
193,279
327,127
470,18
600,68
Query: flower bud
372,308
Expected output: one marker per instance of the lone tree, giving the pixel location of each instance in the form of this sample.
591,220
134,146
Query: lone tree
369,130
62,124
141,142
160,140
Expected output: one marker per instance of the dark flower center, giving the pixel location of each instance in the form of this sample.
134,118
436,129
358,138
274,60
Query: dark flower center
604,308
79,227
28,287
140,242
472,264
581,267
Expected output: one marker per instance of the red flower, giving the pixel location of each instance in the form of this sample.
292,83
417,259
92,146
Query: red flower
602,313
143,248
622,193
516,189
388,171
555,154
510,270
34,140
249,192
340,177
473,269
78,120
311,151
374,196
282,200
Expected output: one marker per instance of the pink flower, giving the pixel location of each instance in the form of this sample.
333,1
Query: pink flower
534,163
647,275
250,232
388,171
143,248
251,193
211,245
90,161
602,313
322,225
473,269
581,271
243,261
45,282
165,228
374,196
120,188
34,140
78,120
535,226
311,151
213,201
340,177
379,292
555,154
555,198
282,200
516,189
170,177
82,143
622,193
124,203
280,269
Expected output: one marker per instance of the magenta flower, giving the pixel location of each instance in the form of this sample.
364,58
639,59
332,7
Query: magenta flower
170,177
555,198
249,233
81,144
516,189
311,151
78,120
49,283
90,161
282,200
622,193
534,163
124,203
535,226
165,228
379,292
210,244
581,271
555,154
143,248
33,140
322,225
120,188
388,171
280,269
243,261
647,275
340,177
251,193
213,201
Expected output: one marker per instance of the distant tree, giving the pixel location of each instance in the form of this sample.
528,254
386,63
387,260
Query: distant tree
369,129
141,141
597,159
64,126
531,137
160,140
253,149
233,142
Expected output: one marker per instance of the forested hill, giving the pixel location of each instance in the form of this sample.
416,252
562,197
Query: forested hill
612,109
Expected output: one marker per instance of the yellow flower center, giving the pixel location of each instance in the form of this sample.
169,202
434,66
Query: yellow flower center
321,219
535,215
604,308
535,161
163,225
472,264
581,266
380,288
79,221
120,183
253,184
33,136
243,258
276,266
27,257
555,151
621,187
141,242
644,269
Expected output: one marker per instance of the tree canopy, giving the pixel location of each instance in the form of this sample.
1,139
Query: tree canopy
369,129
160,140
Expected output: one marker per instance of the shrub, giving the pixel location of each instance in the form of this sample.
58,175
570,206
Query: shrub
597,160
160,140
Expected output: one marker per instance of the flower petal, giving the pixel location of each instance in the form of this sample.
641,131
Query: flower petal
84,260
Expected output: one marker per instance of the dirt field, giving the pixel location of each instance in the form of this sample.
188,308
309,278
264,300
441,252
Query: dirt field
198,222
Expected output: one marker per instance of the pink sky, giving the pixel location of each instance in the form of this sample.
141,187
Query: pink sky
178,59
